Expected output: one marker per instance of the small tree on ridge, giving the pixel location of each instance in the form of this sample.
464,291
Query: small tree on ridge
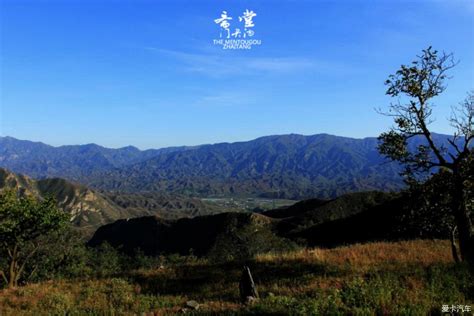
420,82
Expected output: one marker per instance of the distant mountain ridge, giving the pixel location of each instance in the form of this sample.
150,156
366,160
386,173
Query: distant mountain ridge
73,162
284,166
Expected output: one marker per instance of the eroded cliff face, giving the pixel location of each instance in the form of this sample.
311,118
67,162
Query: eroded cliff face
19,182
87,208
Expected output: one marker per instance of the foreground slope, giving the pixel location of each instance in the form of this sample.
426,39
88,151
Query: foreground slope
402,278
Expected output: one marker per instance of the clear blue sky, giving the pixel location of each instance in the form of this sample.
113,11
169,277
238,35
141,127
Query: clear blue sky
146,73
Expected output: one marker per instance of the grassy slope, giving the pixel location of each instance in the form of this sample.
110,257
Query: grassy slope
412,277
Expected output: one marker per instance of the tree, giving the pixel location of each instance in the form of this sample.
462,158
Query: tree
23,221
428,211
420,82
63,254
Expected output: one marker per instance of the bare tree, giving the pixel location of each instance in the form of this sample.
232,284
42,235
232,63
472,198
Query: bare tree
420,82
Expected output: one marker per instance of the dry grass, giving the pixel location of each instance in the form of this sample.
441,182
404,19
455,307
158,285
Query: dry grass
367,256
409,277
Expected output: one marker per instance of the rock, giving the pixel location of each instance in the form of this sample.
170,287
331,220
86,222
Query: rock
247,286
249,300
192,304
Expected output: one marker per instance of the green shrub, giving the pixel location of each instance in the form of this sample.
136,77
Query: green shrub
105,260
56,303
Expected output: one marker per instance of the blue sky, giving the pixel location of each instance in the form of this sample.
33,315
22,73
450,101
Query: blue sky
146,73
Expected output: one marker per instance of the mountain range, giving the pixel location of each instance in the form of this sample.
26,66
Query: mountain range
287,166
283,166
73,162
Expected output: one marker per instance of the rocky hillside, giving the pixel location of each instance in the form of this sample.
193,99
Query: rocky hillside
90,209
86,207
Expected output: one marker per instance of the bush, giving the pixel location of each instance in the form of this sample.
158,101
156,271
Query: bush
64,255
57,303
106,260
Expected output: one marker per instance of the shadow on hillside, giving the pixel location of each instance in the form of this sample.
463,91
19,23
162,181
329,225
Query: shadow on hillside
220,281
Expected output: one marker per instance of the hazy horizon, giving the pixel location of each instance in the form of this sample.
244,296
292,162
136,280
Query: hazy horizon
196,145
